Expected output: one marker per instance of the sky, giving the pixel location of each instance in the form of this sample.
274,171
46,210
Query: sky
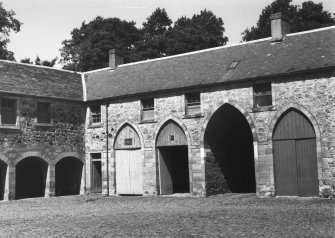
46,23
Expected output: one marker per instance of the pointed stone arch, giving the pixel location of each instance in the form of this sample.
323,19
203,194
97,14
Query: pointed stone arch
216,166
174,171
311,118
128,157
178,122
233,103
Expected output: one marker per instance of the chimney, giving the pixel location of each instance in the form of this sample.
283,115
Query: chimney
280,26
115,59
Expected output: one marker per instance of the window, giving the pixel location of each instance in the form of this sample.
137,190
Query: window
233,65
262,95
96,113
8,111
148,109
128,141
192,103
43,112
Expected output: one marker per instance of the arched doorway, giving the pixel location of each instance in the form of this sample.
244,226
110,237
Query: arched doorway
229,151
30,179
295,163
172,154
3,172
128,162
68,176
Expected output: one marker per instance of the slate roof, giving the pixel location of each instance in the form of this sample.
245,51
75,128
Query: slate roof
297,52
26,79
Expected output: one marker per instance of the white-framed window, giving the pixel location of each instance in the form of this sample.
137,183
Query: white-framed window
192,103
262,95
147,109
95,113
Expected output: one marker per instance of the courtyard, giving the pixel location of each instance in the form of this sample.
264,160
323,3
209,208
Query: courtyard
228,215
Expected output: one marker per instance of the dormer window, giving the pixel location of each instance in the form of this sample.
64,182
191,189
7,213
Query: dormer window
192,104
262,95
148,109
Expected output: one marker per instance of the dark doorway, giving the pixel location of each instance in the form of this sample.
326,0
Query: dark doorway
229,153
68,176
96,178
30,178
295,160
3,172
174,171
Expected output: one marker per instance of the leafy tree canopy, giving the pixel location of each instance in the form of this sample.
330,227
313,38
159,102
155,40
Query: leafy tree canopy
7,24
306,17
38,61
89,46
202,31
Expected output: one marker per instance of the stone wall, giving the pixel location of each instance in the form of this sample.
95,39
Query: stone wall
312,94
51,142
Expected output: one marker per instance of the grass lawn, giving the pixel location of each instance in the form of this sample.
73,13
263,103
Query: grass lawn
230,215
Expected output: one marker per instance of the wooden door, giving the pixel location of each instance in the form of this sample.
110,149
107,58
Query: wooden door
96,177
129,178
165,178
295,163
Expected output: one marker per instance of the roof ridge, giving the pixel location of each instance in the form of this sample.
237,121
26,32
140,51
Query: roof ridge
39,66
311,31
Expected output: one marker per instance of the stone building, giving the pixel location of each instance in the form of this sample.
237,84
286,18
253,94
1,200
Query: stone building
255,117
41,131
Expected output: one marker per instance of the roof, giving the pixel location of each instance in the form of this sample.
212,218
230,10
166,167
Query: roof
32,80
296,53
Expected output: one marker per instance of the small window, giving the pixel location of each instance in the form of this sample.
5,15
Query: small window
192,103
262,95
148,109
95,156
43,112
96,113
128,141
8,111
171,137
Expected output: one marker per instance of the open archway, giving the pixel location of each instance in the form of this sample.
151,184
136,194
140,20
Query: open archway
228,142
68,176
295,157
3,172
31,173
173,164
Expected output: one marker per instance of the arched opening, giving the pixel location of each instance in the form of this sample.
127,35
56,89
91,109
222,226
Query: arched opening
3,172
229,153
172,154
31,173
68,176
128,162
295,161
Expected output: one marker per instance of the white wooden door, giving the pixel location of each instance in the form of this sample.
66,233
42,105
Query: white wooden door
129,179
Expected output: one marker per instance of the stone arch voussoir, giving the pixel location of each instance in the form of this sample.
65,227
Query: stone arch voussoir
32,154
68,154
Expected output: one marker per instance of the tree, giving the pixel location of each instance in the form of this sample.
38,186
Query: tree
7,24
309,16
202,31
26,61
89,46
38,61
